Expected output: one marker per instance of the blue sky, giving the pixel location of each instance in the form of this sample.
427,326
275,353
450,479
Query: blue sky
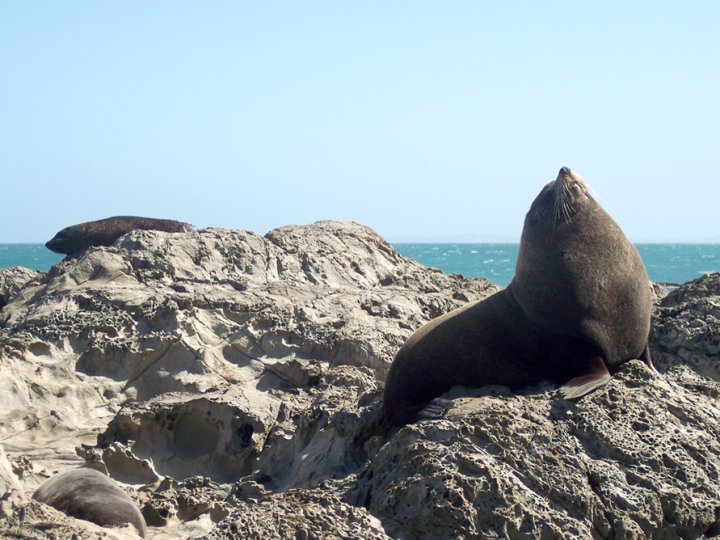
425,120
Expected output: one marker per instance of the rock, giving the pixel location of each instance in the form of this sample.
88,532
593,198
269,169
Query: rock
232,382
12,280
659,291
12,494
215,353
634,459
301,514
685,328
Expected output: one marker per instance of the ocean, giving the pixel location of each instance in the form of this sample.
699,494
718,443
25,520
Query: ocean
667,263
33,256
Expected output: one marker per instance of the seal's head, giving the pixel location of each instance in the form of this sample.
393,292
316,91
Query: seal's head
560,200
62,242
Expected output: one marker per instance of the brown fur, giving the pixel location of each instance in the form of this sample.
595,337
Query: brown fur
579,303
105,232
90,495
582,277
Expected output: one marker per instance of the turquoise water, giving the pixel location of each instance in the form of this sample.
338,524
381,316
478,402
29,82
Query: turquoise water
495,262
34,256
672,263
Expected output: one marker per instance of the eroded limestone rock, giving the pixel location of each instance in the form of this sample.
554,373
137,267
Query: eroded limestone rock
635,459
307,514
12,280
232,383
217,354
686,327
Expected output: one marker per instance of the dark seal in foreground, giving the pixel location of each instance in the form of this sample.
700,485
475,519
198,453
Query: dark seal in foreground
104,232
90,495
578,306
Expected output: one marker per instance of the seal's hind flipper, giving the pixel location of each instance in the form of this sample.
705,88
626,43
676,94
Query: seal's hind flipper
596,377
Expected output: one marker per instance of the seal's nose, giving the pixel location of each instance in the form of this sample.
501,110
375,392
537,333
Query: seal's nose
565,171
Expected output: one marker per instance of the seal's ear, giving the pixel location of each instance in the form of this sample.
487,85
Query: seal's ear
596,377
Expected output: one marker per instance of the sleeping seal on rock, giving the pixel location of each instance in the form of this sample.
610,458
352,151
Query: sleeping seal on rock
104,232
90,495
578,307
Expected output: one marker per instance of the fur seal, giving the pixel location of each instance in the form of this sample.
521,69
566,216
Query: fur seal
578,306
90,495
104,232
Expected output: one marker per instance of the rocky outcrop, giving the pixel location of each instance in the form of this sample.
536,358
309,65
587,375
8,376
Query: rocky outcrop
686,327
216,354
232,384
11,490
295,513
631,460
12,280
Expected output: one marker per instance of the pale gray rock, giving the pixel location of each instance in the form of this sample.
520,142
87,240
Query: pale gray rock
12,493
187,500
232,384
12,280
302,514
636,459
215,353
659,291
686,327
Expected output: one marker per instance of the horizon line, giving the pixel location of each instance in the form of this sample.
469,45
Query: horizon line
467,242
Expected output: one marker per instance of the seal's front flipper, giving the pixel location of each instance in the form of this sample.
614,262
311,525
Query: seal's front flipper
596,377
436,409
